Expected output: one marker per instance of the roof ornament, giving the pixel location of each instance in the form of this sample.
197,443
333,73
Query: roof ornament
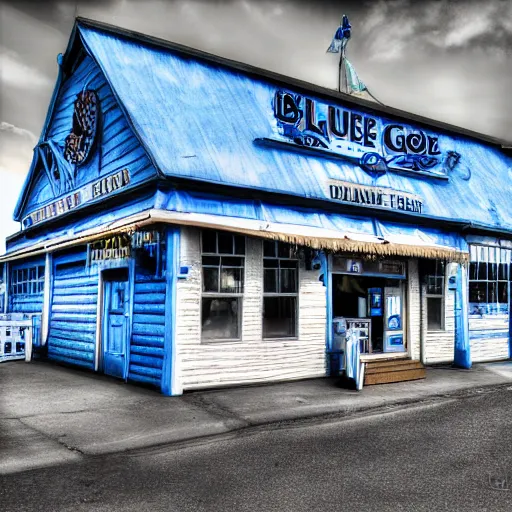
79,142
348,81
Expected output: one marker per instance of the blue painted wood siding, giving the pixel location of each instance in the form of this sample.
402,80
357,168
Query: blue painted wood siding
116,146
72,335
147,343
25,303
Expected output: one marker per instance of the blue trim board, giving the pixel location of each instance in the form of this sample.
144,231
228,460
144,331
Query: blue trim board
510,323
131,281
479,335
327,269
462,348
172,266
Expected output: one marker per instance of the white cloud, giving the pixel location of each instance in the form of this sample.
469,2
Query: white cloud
9,193
470,21
22,132
18,74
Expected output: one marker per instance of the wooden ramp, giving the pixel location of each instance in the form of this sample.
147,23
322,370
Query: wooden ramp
393,370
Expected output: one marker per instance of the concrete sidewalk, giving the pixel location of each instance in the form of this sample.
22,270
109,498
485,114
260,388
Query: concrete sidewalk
50,414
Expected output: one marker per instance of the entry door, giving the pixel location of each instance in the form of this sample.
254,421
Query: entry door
115,342
394,340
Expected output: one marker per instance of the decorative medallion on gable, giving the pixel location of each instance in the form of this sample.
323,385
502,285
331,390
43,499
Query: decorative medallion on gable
79,142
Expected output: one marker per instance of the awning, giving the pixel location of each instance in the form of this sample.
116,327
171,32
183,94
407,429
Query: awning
314,228
302,226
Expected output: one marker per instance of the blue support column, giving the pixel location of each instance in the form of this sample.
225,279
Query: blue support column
510,320
462,355
169,385
327,279
132,276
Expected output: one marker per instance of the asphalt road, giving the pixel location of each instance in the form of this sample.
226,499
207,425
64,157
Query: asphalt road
449,454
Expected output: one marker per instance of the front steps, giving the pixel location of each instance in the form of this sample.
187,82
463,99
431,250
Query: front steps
393,370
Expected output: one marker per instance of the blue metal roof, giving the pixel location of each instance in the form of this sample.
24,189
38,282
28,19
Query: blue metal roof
201,121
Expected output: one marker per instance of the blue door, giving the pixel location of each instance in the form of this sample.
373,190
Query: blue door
117,313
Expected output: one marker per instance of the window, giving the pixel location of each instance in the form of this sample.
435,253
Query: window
223,265
27,281
280,285
433,277
2,288
489,274
149,251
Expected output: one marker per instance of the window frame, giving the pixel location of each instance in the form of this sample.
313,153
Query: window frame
278,294
441,295
481,254
138,252
213,295
27,280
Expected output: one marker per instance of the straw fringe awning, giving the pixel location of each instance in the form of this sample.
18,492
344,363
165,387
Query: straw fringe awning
367,250
367,246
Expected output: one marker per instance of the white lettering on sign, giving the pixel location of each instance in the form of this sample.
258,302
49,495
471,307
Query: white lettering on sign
114,248
352,193
87,193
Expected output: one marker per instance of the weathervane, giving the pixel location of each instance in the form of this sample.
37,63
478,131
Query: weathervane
338,45
348,81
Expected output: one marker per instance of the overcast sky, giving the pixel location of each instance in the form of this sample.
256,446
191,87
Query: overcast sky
447,60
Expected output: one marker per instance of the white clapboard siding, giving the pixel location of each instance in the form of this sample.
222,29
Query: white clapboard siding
439,346
489,337
252,359
413,305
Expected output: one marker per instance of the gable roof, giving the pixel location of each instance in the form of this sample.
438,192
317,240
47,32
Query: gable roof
201,116
114,147
110,32
167,92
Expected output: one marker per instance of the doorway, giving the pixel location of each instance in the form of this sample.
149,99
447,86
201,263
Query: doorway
116,316
375,307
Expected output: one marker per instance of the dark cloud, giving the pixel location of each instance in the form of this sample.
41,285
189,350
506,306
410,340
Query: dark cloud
433,57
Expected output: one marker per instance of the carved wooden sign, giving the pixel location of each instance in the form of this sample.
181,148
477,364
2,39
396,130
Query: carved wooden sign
373,143
92,191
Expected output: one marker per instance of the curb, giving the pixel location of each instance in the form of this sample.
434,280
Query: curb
307,420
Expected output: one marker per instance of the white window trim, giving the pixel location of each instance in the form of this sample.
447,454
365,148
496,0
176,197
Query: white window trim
239,296
276,294
443,302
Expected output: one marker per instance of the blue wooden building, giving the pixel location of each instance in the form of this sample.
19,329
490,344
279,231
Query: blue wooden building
190,221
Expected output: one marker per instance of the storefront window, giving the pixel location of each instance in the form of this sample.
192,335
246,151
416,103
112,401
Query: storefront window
489,274
280,287
434,277
223,265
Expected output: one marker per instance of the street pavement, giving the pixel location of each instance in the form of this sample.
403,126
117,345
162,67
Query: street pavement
50,415
452,453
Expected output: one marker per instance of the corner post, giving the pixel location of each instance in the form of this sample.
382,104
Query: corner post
462,352
45,317
170,385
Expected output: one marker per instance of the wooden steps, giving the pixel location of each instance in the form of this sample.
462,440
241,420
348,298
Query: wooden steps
393,370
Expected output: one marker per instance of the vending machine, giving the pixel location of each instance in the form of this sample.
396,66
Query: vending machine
393,320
